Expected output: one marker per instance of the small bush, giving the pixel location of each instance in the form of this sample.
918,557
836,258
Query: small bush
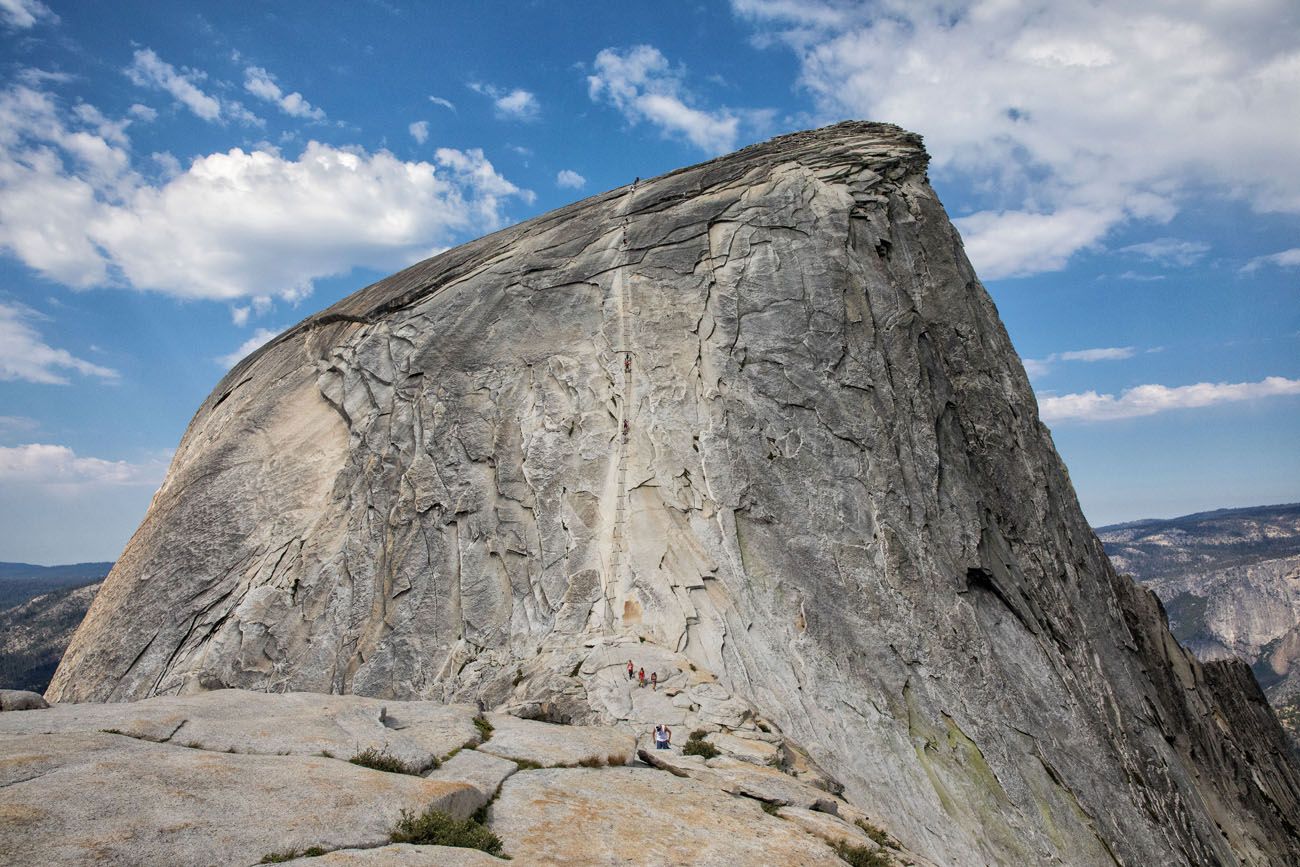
695,747
290,854
113,731
591,762
527,764
862,856
698,735
436,828
879,835
769,808
614,761
484,727
380,760
325,754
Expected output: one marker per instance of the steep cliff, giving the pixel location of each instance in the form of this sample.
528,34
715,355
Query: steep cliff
1230,581
754,425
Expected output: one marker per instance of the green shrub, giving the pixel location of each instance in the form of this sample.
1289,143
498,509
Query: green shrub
695,747
527,764
380,760
436,828
769,808
880,835
698,735
484,727
291,854
862,856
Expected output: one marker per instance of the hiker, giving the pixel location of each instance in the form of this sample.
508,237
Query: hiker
624,428
663,736
627,363
631,672
641,676
654,680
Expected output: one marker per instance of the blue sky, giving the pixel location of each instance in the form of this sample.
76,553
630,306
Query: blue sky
180,181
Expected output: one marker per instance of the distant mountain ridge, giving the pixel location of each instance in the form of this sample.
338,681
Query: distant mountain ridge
20,582
1230,582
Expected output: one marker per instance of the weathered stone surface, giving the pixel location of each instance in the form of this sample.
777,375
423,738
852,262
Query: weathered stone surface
631,816
552,745
484,772
92,798
19,699
833,507
272,724
403,855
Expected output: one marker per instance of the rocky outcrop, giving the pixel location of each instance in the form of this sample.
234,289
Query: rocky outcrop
158,782
754,426
1230,582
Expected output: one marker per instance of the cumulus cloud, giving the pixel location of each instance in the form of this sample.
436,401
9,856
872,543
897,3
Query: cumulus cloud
1285,259
1144,400
569,179
1069,118
23,14
419,131
262,84
260,338
230,225
25,356
517,104
55,466
147,69
640,83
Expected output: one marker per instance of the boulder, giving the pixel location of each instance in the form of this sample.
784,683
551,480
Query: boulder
484,772
21,699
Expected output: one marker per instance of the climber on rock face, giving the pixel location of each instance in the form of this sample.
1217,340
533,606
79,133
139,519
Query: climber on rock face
631,671
624,428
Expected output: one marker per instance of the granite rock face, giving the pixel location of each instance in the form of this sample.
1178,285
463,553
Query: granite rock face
753,425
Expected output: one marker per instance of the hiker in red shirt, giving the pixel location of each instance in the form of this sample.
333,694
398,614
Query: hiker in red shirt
641,676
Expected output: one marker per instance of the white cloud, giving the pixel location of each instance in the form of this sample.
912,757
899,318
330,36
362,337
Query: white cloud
641,85
260,338
1169,251
1037,368
143,112
1144,400
230,225
1109,353
262,84
25,356
517,104
57,467
147,69
569,179
1053,111
239,315
445,103
9,423
23,14
1017,243
1285,259
419,131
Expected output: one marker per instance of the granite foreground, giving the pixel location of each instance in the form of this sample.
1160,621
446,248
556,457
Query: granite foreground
231,777
755,425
